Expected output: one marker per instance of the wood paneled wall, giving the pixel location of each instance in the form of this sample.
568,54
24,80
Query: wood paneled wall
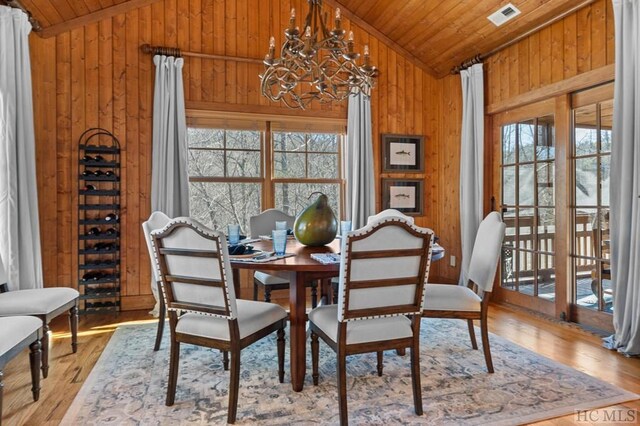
581,42
96,76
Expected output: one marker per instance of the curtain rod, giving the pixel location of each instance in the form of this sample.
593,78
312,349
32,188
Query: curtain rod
35,24
174,51
481,57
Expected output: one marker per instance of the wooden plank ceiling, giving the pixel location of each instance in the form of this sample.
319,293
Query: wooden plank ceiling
438,34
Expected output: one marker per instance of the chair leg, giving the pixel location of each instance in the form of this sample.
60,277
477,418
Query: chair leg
255,290
225,360
472,334
1,392
35,356
45,350
234,384
335,293
73,326
174,363
162,312
485,344
380,359
342,389
315,352
415,378
281,354
267,294
314,294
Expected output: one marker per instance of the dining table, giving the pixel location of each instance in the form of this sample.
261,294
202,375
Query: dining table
299,267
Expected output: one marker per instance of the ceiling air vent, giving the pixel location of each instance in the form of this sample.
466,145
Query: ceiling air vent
504,14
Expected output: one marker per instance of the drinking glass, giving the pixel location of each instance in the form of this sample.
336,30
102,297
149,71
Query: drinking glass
281,224
279,241
233,231
345,226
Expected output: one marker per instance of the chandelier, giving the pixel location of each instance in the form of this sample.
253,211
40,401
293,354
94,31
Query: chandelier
317,65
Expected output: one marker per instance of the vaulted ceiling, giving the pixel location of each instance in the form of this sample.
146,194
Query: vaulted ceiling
438,34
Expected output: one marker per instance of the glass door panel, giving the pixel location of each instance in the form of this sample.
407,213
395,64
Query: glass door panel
528,207
590,210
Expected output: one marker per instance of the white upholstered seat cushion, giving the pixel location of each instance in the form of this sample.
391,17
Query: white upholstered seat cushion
13,330
39,301
361,331
268,279
443,297
252,317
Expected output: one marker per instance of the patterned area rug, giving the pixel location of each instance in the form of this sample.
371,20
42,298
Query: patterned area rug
128,385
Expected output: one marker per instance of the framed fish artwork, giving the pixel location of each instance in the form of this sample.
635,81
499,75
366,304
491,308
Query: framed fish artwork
402,153
404,195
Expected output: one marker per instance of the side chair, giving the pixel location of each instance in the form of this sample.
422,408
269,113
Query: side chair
157,220
197,283
45,304
16,334
471,302
383,269
263,224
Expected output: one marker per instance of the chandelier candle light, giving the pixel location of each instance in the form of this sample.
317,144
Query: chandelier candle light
319,65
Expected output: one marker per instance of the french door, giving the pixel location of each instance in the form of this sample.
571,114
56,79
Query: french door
526,152
551,183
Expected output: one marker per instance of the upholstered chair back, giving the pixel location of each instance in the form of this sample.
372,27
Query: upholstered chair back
265,222
157,220
194,268
389,213
383,269
486,252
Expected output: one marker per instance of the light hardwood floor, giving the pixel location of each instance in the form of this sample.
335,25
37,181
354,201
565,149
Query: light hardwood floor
564,343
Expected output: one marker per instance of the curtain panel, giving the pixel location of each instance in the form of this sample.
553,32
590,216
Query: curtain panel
471,162
169,175
19,221
358,166
625,181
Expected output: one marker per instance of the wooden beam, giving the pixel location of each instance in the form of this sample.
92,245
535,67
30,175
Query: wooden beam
581,81
381,37
96,16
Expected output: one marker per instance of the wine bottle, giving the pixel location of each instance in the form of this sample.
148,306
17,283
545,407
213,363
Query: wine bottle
98,173
99,159
94,231
88,276
87,173
111,217
109,173
111,231
89,188
87,158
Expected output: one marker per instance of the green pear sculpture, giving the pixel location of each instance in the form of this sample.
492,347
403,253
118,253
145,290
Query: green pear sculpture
316,225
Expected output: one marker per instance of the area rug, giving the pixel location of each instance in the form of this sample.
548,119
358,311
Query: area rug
128,385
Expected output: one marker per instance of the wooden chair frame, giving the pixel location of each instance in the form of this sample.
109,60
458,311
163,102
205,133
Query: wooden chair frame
33,342
413,310
234,345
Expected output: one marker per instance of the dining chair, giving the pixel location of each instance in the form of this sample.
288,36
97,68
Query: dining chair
471,302
157,220
46,304
197,282
16,334
383,214
383,268
263,224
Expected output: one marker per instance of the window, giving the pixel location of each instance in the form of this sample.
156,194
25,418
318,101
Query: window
237,169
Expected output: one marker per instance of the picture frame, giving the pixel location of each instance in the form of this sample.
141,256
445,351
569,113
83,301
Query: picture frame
404,195
402,153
